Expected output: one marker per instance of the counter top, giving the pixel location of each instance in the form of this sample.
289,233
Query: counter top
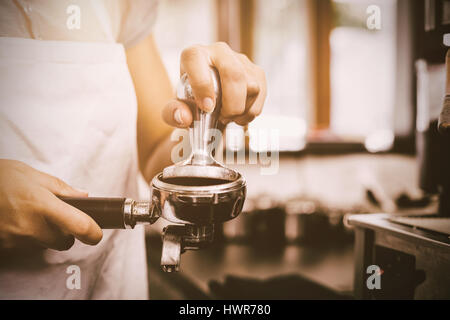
328,266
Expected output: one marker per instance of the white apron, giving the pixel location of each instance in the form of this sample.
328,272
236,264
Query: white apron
69,109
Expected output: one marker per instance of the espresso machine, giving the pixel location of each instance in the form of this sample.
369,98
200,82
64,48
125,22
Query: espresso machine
195,194
444,130
432,33
433,139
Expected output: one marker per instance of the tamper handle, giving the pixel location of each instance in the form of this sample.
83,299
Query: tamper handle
204,122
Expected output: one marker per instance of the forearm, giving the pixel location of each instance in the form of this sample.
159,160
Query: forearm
243,92
158,159
153,91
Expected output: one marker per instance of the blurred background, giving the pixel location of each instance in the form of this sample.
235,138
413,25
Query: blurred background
325,68
350,101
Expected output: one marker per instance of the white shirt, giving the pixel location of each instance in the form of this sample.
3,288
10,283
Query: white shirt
68,108
122,21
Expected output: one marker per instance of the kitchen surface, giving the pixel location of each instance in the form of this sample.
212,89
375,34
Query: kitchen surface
287,244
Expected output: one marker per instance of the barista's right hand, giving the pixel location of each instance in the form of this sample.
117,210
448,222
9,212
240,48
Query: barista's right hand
31,213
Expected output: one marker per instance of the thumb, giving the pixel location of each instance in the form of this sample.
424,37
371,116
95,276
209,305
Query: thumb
71,220
177,114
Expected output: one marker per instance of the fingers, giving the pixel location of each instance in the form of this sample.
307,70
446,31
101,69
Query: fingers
32,214
233,80
243,85
196,64
256,94
53,238
177,114
71,220
35,233
58,187
254,110
252,78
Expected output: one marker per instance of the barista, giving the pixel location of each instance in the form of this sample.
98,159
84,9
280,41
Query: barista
73,104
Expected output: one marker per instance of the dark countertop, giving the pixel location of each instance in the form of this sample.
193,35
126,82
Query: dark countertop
414,234
415,261
326,265
339,182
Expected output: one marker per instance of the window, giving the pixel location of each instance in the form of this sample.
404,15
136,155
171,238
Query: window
327,69
330,77
182,23
363,73
281,48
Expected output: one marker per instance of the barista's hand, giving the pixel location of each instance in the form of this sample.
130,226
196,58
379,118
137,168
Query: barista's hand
243,85
30,212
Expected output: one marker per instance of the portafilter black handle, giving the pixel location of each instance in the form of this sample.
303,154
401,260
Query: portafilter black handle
114,213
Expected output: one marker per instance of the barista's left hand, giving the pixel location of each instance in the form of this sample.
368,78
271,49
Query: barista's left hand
243,85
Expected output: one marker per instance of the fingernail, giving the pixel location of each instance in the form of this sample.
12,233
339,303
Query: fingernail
208,104
177,116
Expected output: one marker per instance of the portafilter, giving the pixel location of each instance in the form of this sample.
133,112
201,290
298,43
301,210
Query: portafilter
195,194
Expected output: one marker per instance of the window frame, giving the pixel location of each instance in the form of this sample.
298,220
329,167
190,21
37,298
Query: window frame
240,37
